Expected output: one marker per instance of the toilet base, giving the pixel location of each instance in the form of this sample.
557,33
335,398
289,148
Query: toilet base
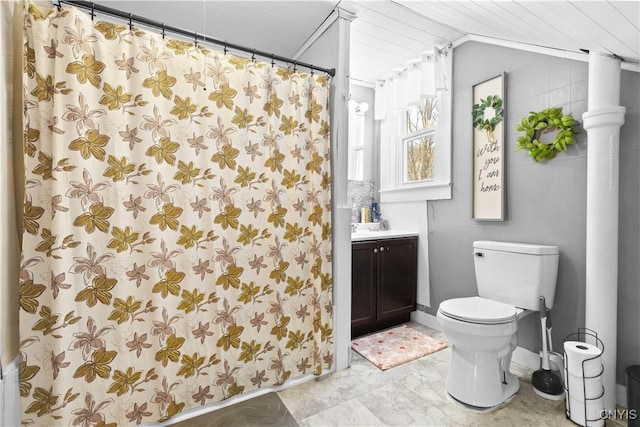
481,409
481,381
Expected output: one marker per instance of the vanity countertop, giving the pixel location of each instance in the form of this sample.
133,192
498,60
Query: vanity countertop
359,236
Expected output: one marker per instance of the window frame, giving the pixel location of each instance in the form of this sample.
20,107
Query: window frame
404,139
438,188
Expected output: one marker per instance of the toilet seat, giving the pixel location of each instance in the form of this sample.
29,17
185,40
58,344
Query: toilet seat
479,310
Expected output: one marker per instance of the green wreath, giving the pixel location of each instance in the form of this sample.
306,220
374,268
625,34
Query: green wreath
537,124
480,122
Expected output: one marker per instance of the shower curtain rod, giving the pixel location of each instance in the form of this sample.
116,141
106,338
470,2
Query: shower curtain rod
91,6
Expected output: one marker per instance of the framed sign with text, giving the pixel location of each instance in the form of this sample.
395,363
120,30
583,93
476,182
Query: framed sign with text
488,149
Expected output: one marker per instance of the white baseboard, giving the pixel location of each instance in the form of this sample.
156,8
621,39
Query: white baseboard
426,319
621,395
526,358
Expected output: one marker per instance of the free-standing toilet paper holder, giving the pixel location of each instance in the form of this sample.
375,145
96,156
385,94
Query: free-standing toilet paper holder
588,336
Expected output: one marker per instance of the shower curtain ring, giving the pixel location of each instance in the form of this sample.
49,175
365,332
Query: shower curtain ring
59,5
163,30
195,38
273,61
92,10
253,56
130,22
312,69
225,48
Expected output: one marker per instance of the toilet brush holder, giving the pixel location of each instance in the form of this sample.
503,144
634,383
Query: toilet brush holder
556,364
556,368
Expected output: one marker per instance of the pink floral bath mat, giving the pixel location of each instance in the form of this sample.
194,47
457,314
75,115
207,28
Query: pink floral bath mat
392,347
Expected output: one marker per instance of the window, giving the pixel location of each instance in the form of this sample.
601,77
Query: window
419,142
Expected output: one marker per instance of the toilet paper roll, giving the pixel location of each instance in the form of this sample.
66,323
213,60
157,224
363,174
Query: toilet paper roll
577,352
594,409
584,388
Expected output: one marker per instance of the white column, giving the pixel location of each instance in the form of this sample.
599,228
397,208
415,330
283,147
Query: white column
329,45
342,211
602,122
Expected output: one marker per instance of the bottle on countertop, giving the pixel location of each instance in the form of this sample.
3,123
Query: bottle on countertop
364,215
355,215
375,211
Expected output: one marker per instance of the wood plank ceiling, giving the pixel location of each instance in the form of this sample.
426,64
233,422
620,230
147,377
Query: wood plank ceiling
386,34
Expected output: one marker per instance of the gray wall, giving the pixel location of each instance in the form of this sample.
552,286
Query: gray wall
545,203
629,226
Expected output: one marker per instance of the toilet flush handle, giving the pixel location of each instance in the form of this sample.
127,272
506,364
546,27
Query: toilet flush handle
478,254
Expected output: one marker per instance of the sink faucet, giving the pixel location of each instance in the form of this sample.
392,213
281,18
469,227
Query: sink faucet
354,227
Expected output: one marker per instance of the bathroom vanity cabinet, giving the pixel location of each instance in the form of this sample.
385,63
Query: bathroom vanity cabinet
383,283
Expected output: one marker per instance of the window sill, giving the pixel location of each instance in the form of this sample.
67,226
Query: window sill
431,191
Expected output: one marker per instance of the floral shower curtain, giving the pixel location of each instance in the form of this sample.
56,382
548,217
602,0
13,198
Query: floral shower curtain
177,233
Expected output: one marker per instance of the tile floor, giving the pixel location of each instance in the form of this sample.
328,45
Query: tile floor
412,394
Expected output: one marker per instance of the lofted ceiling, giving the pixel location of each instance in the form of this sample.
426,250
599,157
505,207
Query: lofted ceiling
387,33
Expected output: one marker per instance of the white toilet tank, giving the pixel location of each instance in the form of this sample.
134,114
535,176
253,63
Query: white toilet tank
516,273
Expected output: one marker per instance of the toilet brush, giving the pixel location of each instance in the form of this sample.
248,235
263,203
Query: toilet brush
549,326
544,381
556,361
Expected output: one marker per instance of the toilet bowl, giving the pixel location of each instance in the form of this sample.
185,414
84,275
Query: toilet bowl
483,329
483,336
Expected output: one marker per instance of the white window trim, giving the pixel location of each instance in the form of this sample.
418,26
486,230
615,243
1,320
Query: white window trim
438,188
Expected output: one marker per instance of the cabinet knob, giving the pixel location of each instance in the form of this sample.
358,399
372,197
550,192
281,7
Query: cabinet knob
382,249
375,251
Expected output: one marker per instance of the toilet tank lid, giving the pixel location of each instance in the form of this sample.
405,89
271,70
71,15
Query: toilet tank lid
521,248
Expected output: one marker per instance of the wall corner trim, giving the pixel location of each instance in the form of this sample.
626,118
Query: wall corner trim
559,53
337,13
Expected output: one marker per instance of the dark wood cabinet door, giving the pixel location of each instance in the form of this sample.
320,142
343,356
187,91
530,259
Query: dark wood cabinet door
397,277
363,283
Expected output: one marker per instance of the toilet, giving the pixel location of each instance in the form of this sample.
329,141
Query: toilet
482,329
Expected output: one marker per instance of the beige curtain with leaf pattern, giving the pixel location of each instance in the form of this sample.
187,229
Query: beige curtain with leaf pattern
177,233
